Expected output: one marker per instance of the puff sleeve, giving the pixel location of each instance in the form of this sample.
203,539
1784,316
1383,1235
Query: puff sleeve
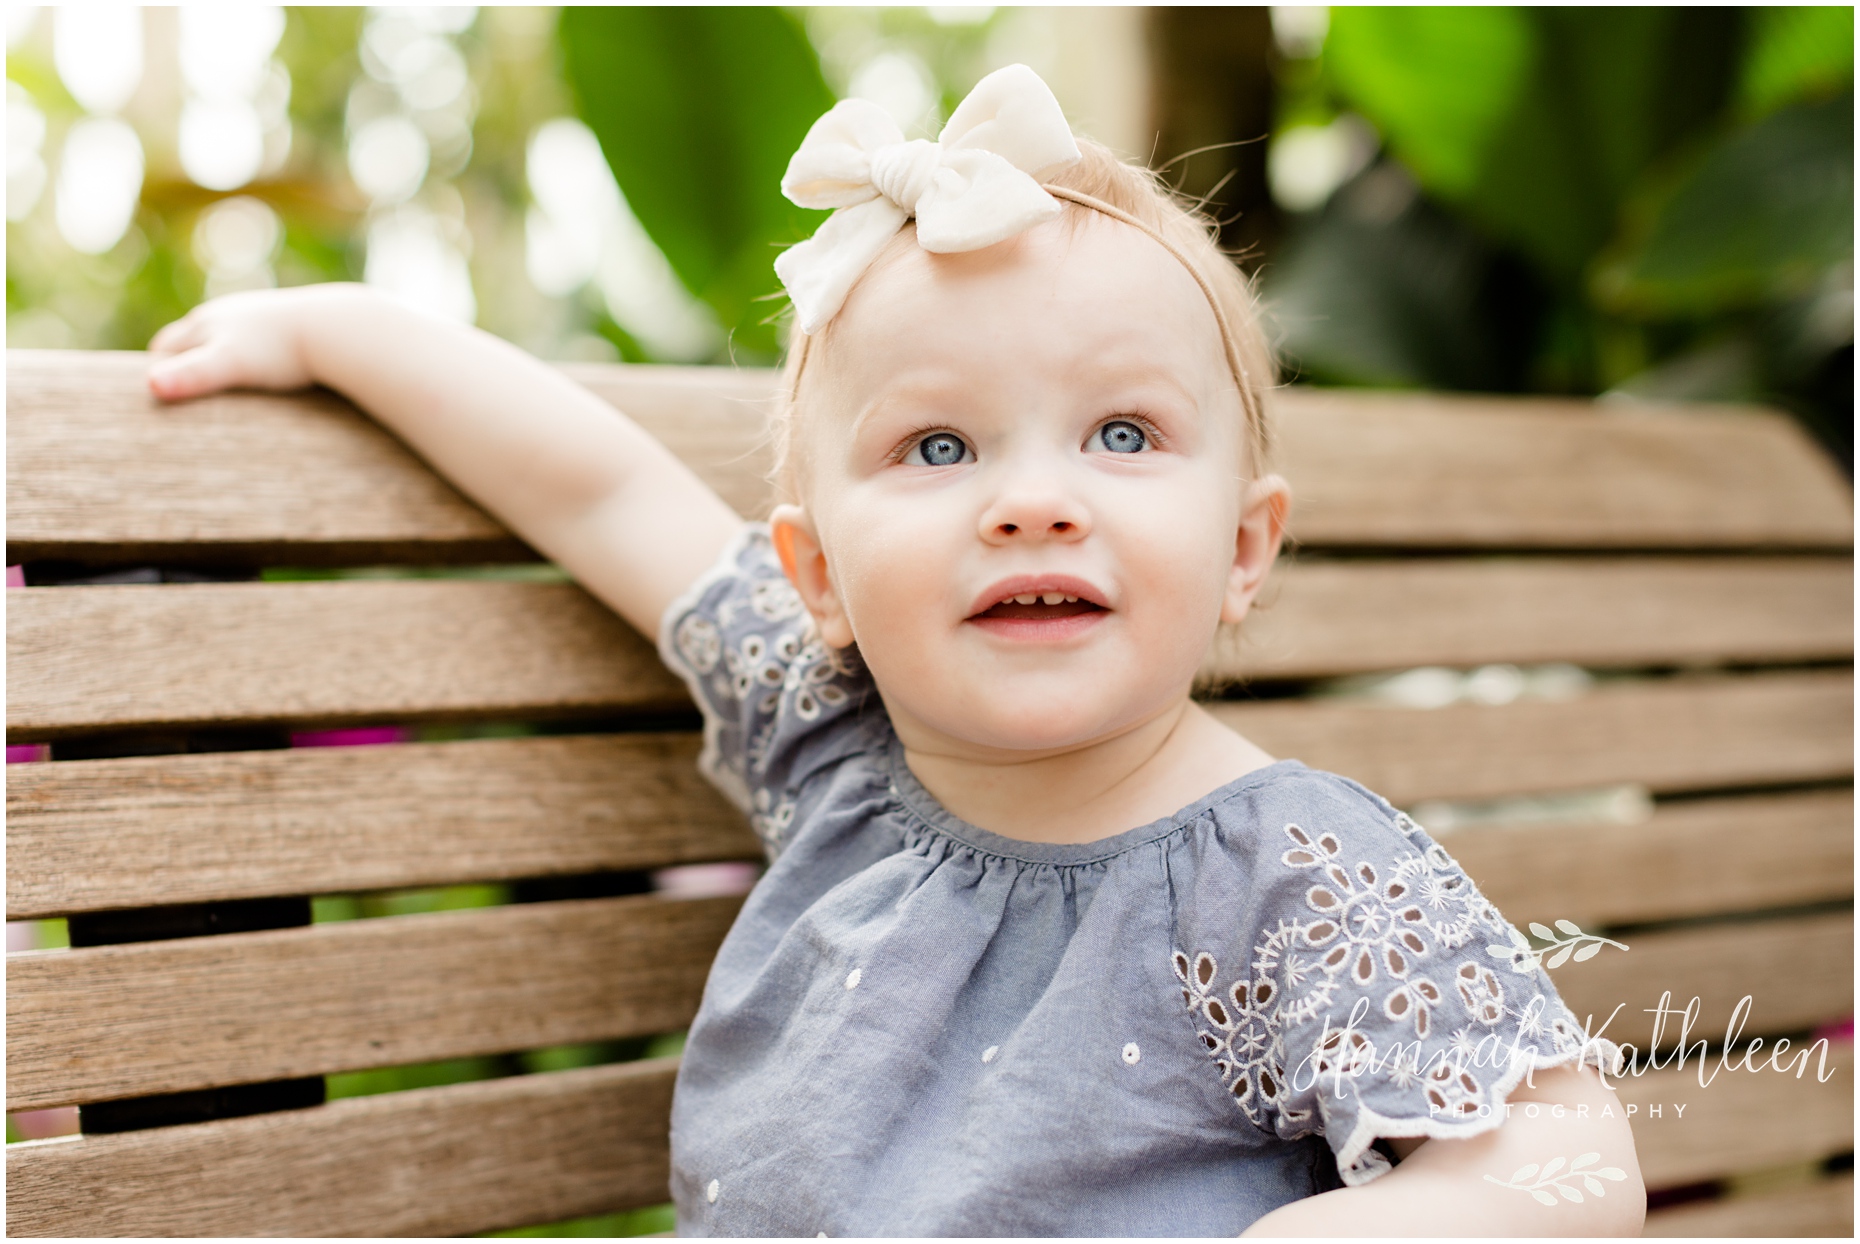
1375,992
774,699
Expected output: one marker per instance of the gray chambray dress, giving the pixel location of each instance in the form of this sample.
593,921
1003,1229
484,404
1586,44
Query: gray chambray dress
917,1027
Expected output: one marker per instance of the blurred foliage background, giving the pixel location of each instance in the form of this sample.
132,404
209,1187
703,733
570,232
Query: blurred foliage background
1651,203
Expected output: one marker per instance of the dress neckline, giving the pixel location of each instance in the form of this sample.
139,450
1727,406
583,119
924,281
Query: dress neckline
925,808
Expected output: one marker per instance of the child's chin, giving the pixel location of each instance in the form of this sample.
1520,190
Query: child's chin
1041,725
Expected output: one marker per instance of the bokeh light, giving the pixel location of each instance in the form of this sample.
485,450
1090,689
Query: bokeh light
99,179
235,241
98,51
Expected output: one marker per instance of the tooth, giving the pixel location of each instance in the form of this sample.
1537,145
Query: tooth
1072,600
1027,598
1053,598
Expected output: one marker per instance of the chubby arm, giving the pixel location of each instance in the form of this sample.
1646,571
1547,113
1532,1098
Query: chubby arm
583,484
1440,1186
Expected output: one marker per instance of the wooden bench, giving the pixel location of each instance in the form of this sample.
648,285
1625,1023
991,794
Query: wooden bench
1698,560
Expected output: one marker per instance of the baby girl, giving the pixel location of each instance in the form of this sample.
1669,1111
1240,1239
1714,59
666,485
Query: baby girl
1042,949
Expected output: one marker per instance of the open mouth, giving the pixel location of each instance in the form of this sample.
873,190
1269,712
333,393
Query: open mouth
1044,608
1040,607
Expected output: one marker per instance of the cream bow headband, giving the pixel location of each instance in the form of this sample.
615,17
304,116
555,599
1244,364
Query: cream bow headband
976,185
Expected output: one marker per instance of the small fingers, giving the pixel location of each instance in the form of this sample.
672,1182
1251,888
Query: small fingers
191,373
183,334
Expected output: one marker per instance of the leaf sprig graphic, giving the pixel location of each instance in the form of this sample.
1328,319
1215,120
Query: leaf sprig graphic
1575,942
1538,1180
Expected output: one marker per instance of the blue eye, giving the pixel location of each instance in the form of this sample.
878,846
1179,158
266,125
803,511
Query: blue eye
1122,437
938,449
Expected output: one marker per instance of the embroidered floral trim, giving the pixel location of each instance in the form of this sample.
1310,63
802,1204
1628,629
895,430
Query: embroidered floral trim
754,664
1381,937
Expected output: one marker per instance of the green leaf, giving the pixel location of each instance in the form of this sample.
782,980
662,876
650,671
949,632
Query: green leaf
1438,82
1613,90
1763,216
1796,53
1536,122
697,110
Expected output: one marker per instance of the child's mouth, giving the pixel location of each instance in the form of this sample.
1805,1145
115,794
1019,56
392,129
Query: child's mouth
1040,607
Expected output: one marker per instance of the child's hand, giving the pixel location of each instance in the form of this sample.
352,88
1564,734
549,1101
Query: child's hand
252,340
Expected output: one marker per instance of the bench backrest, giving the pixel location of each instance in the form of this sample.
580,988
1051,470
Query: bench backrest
1699,558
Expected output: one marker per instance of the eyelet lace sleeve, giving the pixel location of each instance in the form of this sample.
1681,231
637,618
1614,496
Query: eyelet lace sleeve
1380,995
768,687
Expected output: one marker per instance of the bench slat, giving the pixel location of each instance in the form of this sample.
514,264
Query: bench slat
167,1016
1822,1208
593,1141
98,834
1798,971
440,1161
1322,618
1695,858
89,658
159,1017
1741,1120
1446,470
1673,735
257,822
91,835
96,469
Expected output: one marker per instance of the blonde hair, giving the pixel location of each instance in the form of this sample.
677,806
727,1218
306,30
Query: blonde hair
1102,184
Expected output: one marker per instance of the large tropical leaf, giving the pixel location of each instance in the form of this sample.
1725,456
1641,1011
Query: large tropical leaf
1796,52
1535,123
1769,210
1438,82
697,110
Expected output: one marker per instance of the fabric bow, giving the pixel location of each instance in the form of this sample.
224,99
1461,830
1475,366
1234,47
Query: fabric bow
976,185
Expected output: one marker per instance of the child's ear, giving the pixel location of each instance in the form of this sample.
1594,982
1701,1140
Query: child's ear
1262,529
798,546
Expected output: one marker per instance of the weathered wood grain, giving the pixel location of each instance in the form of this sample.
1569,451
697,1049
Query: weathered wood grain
97,470
157,1017
1739,1120
1444,470
94,835
1671,735
337,652
90,835
440,1161
1336,617
1822,1208
1693,858
1797,971
331,653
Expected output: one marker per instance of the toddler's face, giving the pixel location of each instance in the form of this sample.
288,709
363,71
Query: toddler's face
1023,479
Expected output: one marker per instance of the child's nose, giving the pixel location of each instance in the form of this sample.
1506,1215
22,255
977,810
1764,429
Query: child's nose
1034,510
